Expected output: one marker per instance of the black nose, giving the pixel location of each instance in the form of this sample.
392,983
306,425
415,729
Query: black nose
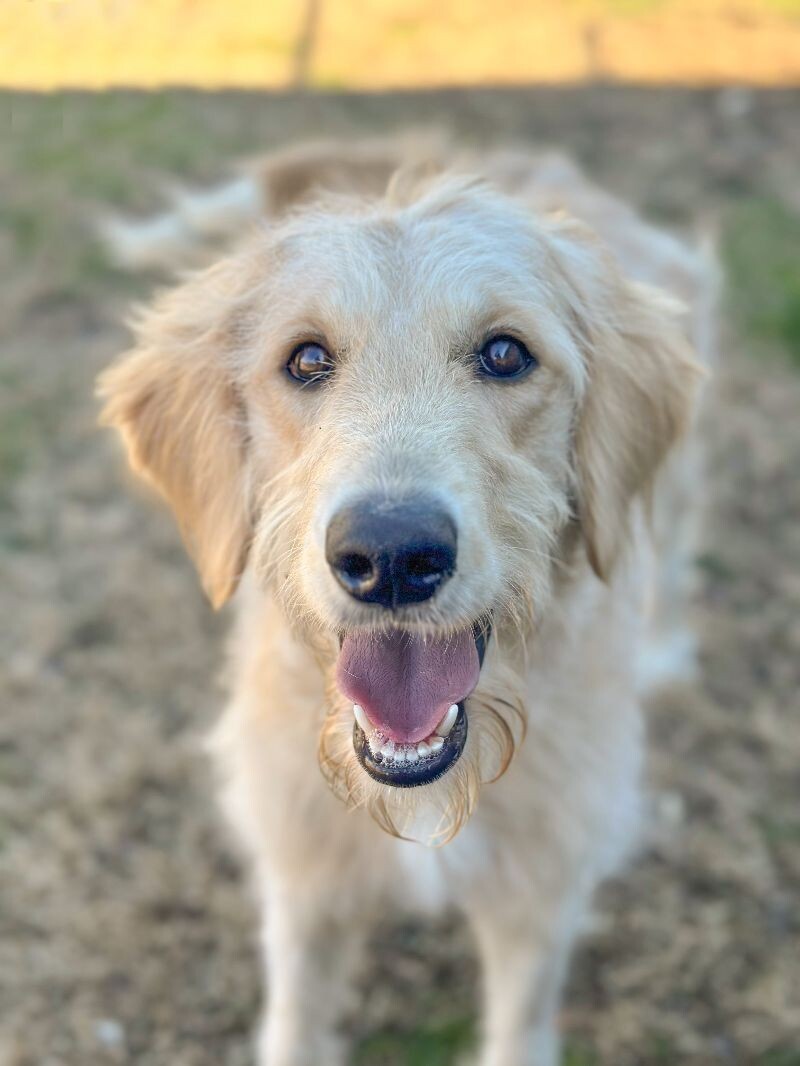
391,554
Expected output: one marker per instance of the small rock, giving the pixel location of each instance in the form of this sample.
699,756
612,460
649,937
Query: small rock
109,1033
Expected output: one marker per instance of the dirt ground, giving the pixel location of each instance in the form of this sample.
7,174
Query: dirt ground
126,931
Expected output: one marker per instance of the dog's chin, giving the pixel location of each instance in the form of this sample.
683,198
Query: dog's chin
397,744
429,796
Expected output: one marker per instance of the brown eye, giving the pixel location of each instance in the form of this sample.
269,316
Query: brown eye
309,362
504,357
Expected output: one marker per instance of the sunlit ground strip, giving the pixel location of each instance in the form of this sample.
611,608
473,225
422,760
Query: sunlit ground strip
47,44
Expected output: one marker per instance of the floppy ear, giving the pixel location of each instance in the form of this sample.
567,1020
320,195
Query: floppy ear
640,390
175,403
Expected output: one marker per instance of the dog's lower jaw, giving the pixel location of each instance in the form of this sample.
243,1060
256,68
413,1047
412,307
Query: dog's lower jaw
407,766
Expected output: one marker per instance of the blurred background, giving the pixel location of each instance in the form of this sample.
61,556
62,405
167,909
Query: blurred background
126,931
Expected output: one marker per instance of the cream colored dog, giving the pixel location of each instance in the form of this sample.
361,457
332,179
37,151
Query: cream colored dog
419,428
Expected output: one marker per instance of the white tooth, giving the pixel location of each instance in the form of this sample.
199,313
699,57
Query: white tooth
361,718
387,751
423,749
436,744
400,755
411,755
375,742
449,720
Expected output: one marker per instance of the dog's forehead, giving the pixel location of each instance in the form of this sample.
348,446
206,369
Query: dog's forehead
433,256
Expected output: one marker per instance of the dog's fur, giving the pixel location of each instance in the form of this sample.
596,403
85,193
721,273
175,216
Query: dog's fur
557,483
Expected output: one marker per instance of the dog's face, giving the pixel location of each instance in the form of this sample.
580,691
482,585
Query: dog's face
398,416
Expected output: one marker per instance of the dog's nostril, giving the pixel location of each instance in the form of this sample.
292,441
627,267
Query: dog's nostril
355,567
392,555
429,566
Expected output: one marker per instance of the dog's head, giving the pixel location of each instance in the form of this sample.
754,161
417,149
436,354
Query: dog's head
408,419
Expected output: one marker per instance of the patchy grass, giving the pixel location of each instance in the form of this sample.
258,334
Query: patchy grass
781,1057
579,1055
778,831
715,566
26,424
18,434
662,1050
760,251
444,1044
437,1045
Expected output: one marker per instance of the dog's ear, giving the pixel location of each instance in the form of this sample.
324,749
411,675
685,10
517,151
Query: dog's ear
641,384
175,403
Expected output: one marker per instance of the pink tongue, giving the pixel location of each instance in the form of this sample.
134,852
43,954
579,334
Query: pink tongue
404,683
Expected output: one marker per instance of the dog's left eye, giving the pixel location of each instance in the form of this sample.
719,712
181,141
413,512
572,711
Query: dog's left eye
505,357
309,362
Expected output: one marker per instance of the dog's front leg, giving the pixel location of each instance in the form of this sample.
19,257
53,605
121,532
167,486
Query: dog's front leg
312,947
524,951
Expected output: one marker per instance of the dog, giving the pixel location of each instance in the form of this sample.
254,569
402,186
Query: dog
429,421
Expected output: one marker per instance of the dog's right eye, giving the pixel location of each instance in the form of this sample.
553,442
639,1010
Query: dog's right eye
309,362
505,357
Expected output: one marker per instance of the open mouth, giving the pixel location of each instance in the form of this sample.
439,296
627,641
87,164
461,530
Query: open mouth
409,701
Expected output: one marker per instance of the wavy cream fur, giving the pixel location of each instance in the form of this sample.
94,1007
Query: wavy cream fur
550,480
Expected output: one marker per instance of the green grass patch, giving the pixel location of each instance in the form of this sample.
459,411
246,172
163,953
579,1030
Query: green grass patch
760,252
780,1057
778,831
98,147
441,1044
20,432
579,1055
714,566
29,424
434,1045
662,1049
